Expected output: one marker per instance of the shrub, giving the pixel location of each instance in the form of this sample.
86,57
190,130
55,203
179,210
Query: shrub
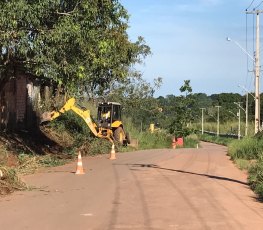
159,139
96,146
256,178
3,155
247,148
191,141
215,139
10,181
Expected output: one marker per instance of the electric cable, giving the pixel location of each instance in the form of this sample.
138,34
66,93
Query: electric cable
258,5
246,49
250,5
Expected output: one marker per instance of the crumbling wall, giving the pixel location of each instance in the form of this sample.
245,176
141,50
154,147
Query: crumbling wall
18,102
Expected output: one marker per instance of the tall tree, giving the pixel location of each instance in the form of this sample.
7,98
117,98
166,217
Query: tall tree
70,42
183,113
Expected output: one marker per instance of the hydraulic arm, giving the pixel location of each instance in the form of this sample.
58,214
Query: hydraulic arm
84,114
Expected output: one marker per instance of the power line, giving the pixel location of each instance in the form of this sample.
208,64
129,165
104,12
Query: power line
253,34
250,4
247,48
258,5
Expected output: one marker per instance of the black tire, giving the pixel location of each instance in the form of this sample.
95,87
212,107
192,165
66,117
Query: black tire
119,135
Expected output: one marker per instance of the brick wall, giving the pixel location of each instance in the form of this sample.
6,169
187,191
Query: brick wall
21,98
16,109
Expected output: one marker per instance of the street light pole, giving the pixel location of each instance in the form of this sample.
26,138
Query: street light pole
231,40
256,69
239,119
238,116
202,120
239,122
217,119
257,73
246,130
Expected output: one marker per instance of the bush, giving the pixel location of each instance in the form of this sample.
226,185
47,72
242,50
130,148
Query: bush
161,139
256,178
96,146
73,124
215,139
247,148
10,181
191,141
156,140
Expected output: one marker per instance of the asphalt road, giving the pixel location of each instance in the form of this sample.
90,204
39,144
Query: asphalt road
155,189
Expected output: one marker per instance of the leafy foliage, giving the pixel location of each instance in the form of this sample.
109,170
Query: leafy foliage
136,96
72,43
10,182
248,148
154,140
183,112
256,178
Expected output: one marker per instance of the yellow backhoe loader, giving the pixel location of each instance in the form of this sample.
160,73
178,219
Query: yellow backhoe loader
108,125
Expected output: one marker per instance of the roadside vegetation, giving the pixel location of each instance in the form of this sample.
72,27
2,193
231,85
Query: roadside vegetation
215,139
247,154
65,65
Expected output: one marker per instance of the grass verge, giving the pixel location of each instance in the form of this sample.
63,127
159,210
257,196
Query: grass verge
215,139
247,154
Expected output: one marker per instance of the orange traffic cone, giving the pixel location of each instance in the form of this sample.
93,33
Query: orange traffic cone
174,143
80,170
112,153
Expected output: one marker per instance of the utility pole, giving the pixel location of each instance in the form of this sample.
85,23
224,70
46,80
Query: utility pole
246,129
202,120
257,71
239,118
217,119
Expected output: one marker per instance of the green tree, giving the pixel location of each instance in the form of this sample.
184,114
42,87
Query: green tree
77,44
183,112
137,97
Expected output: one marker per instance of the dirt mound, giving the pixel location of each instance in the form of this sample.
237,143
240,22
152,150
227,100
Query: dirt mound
13,145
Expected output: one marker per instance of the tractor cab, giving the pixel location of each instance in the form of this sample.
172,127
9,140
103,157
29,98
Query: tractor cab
109,115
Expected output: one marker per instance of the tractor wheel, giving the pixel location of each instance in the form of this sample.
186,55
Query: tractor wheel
119,135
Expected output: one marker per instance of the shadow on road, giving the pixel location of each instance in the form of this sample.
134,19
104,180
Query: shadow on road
186,172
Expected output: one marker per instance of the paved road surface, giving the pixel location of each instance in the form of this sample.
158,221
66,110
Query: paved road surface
180,189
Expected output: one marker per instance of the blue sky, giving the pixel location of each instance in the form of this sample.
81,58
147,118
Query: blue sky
188,42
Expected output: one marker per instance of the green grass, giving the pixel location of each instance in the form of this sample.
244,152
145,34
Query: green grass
247,148
191,141
161,139
243,164
156,140
226,127
256,178
10,181
215,139
247,153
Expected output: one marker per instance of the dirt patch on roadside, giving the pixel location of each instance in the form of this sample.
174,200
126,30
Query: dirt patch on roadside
12,145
